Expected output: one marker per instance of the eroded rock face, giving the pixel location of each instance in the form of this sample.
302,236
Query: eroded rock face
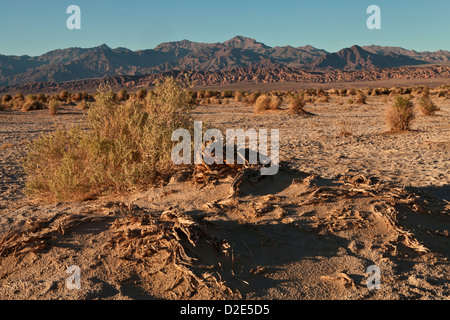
247,75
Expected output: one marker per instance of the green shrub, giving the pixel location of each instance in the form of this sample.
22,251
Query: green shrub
126,146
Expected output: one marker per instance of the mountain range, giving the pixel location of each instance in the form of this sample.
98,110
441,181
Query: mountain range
237,53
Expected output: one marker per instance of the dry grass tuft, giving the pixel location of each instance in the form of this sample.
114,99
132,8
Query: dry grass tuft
296,104
344,128
361,97
275,102
426,106
262,104
53,107
400,115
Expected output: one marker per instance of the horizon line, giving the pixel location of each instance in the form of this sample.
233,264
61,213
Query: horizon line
220,42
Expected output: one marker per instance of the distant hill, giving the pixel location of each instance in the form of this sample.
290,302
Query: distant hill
356,58
74,64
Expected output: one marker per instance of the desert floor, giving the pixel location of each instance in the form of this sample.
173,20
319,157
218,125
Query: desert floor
339,204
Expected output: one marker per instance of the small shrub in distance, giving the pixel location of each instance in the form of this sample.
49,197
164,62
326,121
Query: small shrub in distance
141,94
77,96
361,97
53,107
226,94
83,105
18,97
426,105
122,95
201,94
400,115
296,104
238,96
215,100
7,98
324,99
251,98
344,128
262,103
275,102
31,103
64,95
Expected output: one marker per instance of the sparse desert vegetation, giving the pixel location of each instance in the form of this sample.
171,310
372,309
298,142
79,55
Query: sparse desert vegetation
426,106
105,166
125,145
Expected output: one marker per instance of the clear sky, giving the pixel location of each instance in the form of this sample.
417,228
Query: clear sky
34,27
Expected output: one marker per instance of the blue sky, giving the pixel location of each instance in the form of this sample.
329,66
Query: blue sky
34,27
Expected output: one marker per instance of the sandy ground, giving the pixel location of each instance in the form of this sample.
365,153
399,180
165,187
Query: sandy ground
338,205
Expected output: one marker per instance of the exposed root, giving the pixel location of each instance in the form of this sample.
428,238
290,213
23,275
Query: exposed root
164,242
36,234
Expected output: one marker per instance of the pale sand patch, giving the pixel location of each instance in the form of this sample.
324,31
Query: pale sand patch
299,235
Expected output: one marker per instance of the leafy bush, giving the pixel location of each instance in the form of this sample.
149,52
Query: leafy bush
400,115
126,146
